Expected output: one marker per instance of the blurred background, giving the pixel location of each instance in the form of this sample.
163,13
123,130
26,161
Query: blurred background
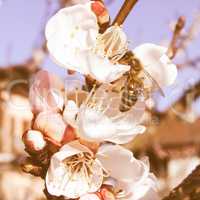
173,139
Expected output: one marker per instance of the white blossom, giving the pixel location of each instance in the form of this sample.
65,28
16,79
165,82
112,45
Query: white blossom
156,62
131,180
99,119
75,171
74,42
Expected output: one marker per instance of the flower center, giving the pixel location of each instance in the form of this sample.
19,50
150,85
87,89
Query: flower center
112,44
81,162
96,103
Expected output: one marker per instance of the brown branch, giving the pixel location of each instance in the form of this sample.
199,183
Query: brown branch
173,47
181,41
189,189
124,11
191,33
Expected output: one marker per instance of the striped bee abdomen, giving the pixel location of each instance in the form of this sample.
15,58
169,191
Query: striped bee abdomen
131,92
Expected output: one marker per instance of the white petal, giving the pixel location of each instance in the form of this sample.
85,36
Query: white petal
121,164
124,137
73,148
156,63
76,26
146,190
170,71
60,181
128,124
70,112
51,124
103,70
103,121
149,52
112,43
69,58
69,33
93,125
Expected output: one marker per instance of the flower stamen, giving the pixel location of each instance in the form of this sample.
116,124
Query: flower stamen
112,44
80,163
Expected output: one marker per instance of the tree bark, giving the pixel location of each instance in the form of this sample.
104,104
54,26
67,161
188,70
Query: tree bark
189,189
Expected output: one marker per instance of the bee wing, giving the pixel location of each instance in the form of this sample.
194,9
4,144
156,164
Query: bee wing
154,82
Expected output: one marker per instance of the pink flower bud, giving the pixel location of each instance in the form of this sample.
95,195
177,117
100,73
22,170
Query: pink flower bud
106,194
34,141
101,12
70,135
51,125
46,92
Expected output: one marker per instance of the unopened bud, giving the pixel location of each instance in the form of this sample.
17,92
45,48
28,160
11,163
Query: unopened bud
101,12
52,125
106,194
34,140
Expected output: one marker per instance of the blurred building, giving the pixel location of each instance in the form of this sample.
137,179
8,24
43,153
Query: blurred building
15,118
173,148
15,113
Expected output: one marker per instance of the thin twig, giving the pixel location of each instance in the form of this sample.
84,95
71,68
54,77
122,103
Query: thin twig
191,33
173,47
181,41
124,11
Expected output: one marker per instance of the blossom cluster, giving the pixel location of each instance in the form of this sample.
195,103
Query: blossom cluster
76,135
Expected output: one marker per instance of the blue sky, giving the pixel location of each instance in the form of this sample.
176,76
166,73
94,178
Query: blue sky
21,20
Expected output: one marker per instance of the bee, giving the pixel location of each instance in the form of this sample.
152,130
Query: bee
134,87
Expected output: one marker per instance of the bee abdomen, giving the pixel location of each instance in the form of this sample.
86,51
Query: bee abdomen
129,99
